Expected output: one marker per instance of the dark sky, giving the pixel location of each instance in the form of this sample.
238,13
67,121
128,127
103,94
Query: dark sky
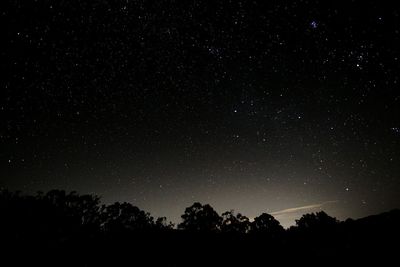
284,107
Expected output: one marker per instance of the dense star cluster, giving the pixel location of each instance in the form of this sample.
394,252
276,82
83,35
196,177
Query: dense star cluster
257,106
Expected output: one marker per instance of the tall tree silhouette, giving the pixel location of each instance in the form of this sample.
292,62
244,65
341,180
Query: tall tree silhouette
200,217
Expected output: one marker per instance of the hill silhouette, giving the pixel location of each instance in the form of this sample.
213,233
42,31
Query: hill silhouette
67,229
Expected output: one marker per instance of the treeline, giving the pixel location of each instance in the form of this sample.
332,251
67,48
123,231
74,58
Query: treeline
84,232
70,213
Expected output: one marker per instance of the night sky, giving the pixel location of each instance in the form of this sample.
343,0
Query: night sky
285,107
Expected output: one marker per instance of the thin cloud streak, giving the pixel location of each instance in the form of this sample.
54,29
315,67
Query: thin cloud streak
302,208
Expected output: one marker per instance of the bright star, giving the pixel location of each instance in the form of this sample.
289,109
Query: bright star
314,24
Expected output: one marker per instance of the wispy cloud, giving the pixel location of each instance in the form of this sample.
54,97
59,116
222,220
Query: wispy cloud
302,208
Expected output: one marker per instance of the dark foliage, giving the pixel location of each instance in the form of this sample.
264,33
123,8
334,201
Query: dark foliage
266,223
232,223
68,229
316,221
200,217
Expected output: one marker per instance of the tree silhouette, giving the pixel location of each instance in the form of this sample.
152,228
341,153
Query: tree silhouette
121,217
319,220
200,217
232,223
162,224
53,218
68,224
77,210
267,224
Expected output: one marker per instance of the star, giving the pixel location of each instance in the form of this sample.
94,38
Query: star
395,130
314,24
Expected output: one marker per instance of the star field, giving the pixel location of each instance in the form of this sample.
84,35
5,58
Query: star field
248,105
